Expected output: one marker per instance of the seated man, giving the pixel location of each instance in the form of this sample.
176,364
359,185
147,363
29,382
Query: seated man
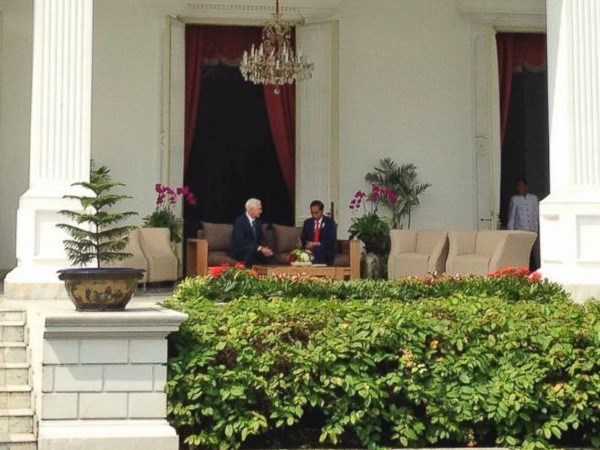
247,236
319,234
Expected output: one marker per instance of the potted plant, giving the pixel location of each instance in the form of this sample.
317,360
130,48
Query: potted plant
404,183
95,237
163,216
372,230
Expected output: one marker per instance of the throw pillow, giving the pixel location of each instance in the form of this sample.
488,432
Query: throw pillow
287,238
218,235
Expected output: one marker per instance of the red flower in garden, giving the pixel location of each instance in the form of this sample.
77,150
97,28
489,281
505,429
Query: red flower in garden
510,272
218,271
534,277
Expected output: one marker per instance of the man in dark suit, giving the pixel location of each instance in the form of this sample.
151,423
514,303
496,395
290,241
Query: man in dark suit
247,236
319,234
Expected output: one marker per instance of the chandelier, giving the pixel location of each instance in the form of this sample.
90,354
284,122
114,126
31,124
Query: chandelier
274,61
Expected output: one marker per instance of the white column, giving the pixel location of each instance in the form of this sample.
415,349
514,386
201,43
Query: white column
60,142
570,216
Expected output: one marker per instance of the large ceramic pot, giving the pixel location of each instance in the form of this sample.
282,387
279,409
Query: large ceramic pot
370,265
104,289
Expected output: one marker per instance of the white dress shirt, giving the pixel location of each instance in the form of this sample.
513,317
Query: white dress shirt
523,213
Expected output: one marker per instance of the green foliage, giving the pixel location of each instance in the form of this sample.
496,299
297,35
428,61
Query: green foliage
373,231
100,239
238,283
404,182
470,369
165,218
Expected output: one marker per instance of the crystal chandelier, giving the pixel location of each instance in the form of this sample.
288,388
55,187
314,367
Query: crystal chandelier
274,61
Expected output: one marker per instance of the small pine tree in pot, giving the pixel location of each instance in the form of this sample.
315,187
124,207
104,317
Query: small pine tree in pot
95,237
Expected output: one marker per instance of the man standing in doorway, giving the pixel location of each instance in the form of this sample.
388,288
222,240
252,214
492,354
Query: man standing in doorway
247,236
523,214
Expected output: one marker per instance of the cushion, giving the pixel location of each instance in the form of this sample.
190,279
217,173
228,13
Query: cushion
341,260
342,246
406,264
282,258
487,242
218,235
269,237
217,258
470,265
286,238
427,240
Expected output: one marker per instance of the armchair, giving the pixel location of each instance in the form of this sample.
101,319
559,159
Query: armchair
481,252
137,260
416,252
162,260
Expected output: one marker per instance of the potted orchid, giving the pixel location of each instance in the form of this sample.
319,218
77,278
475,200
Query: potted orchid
403,183
164,216
370,228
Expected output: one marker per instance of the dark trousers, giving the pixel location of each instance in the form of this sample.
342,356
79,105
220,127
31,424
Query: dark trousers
534,257
321,256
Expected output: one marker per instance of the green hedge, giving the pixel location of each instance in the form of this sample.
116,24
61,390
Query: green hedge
466,370
232,283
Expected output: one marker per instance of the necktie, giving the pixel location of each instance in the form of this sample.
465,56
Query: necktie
253,225
317,233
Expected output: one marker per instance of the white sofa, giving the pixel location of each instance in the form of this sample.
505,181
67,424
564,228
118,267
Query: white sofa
482,252
417,252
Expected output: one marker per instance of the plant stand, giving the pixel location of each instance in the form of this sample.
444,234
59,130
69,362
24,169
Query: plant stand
370,265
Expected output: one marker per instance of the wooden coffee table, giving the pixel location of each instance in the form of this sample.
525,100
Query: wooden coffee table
337,273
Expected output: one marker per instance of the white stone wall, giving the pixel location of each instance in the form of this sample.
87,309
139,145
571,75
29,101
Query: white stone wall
103,380
107,378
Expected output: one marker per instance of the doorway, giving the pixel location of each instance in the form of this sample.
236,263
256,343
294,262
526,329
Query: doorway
233,148
523,81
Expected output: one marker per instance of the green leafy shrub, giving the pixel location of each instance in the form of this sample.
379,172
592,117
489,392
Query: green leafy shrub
470,369
235,283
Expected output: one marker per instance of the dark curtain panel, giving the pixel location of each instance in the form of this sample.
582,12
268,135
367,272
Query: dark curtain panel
209,44
281,110
517,52
233,156
525,151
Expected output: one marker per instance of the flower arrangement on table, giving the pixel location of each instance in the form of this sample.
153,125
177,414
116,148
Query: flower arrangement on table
301,257
163,216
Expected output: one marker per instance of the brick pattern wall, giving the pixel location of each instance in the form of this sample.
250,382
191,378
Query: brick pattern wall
104,379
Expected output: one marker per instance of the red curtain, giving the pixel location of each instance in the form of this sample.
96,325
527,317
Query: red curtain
209,44
226,44
517,51
281,109
194,61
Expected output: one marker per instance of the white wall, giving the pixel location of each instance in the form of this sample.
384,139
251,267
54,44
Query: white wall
15,110
406,93
125,110
126,97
